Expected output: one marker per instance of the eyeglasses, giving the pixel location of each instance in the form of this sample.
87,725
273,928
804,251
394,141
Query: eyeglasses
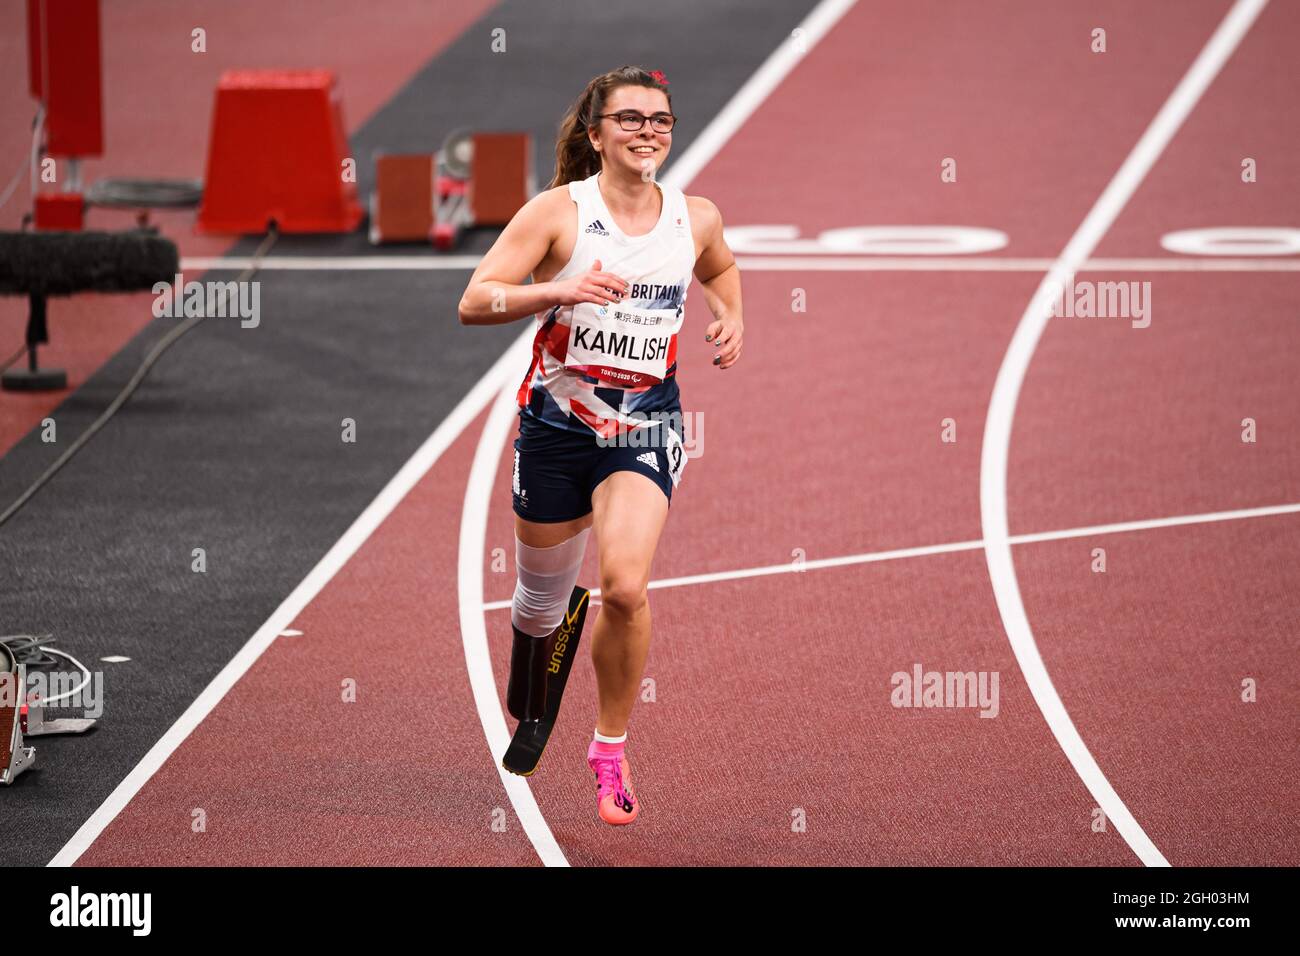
632,121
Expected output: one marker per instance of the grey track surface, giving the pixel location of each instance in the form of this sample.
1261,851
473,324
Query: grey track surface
232,443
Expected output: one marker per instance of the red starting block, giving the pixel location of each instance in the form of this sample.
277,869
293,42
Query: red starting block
401,205
501,179
276,153
475,179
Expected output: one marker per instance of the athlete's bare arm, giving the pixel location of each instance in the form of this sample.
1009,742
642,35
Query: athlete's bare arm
497,293
716,270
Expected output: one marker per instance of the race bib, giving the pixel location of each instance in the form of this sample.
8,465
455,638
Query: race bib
676,455
620,344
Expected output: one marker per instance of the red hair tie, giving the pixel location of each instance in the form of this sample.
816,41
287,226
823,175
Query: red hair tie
658,77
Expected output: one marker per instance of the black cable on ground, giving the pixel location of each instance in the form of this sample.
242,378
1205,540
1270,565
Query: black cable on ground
162,346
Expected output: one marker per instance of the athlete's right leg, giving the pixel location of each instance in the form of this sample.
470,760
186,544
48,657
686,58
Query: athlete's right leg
546,576
547,559
549,487
548,554
547,614
546,534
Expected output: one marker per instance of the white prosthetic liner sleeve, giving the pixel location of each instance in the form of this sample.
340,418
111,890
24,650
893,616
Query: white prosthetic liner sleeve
546,579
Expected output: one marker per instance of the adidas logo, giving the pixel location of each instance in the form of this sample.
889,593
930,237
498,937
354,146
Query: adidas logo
649,459
598,228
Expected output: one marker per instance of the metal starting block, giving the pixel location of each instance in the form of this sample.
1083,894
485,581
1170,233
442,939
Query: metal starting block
475,179
34,724
14,756
23,715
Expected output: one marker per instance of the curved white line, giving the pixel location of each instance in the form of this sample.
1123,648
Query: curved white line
1006,390
473,629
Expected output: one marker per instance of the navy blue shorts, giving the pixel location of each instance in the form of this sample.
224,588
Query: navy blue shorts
556,470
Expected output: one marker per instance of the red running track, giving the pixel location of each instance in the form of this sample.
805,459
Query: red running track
772,694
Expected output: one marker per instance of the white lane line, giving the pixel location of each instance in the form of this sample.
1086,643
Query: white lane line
873,556
495,434
378,510
1173,522
473,627
1006,391
755,263
1164,264
790,568
761,263
375,263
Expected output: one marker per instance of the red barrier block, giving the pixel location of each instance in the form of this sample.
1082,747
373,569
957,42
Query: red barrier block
276,152
59,211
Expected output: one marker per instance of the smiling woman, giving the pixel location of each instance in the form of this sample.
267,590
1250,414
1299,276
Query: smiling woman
611,252
620,95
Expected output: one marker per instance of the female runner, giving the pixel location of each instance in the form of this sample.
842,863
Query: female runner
611,253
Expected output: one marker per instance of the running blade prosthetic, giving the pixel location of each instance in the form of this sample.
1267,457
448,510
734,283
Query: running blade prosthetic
530,737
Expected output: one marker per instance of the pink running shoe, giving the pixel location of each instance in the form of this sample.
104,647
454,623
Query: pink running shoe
615,801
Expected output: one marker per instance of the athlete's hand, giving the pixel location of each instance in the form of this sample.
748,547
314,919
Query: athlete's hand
602,288
726,335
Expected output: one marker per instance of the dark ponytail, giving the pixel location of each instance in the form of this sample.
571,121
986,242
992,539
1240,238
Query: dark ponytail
575,159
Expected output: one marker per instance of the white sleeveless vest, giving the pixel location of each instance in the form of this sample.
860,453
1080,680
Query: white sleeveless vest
598,363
